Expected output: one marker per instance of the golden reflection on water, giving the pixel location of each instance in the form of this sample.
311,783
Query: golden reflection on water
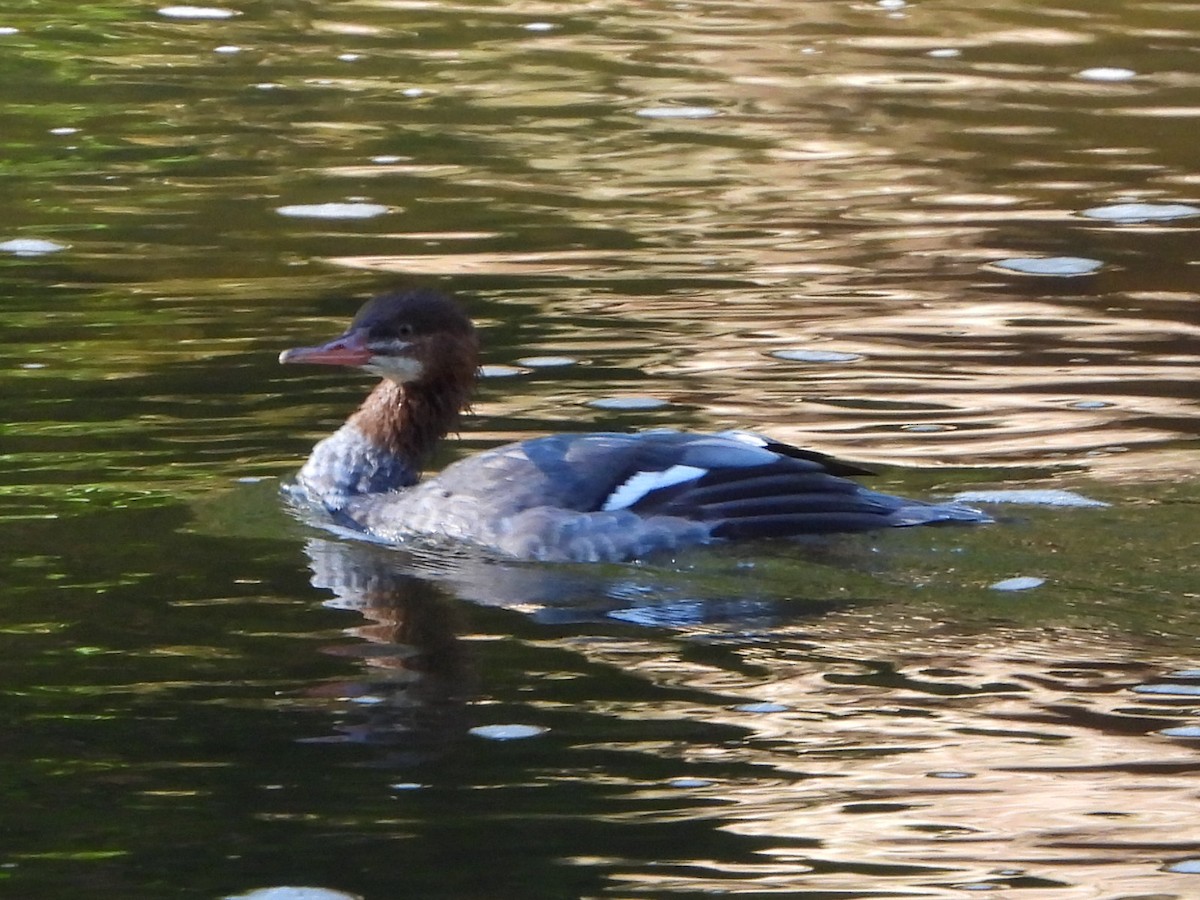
932,757
670,194
992,380
837,177
835,189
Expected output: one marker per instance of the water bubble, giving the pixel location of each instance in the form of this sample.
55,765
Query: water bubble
950,774
944,53
1059,266
293,893
8,29
30,247
677,112
499,371
1185,867
1176,690
66,129
628,403
508,732
1021,583
690,782
1107,73
1182,731
334,210
799,354
546,362
926,427
1090,404
227,48
386,160
406,786
539,26
1029,497
197,12
1141,212
414,92
760,707
349,57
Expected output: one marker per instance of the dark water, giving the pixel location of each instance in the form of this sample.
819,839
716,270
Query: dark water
686,200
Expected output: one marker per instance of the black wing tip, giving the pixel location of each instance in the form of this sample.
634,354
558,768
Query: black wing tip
830,464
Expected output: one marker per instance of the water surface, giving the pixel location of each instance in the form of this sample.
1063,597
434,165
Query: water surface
955,243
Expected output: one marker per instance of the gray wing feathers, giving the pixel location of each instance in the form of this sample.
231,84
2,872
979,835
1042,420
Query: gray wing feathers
546,498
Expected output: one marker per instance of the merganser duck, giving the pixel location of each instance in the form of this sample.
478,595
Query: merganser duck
564,497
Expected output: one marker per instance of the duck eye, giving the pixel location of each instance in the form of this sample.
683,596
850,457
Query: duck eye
404,329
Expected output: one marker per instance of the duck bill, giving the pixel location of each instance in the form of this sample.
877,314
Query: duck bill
348,350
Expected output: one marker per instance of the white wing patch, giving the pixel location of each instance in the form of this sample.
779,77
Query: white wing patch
640,484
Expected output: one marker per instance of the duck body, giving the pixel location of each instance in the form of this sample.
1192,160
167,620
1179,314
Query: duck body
563,497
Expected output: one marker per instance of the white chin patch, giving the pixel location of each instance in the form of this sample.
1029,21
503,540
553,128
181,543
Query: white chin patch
400,369
639,485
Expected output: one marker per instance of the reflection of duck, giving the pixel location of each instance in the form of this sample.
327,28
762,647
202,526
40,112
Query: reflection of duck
410,695
581,497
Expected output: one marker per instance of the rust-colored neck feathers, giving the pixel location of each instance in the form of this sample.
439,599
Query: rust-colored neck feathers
409,420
